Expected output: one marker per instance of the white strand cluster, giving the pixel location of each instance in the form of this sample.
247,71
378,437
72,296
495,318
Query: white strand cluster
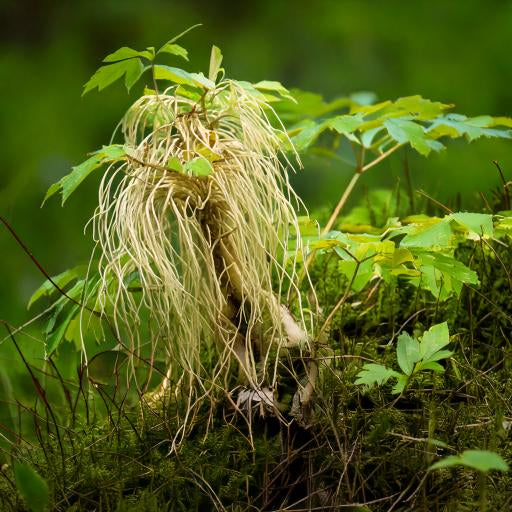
206,249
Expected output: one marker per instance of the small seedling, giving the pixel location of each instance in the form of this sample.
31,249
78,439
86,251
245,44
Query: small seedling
482,461
413,356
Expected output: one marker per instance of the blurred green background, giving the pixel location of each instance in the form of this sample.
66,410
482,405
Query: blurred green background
456,51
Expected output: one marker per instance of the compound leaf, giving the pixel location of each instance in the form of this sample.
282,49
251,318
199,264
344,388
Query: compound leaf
407,352
57,336
127,53
479,224
107,75
433,340
174,49
61,280
374,374
405,131
401,382
68,184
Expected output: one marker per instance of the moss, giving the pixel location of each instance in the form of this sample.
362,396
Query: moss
356,447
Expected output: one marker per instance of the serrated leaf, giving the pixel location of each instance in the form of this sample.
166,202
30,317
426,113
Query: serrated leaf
480,460
133,74
309,132
32,487
107,75
180,76
404,131
457,125
479,224
127,53
433,340
62,279
215,63
401,383
346,125
428,235
199,166
442,273
176,75
68,184
273,86
57,336
372,374
407,352
174,49
420,108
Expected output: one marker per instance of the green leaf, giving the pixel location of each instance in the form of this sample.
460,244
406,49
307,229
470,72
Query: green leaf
407,352
479,224
346,125
107,75
199,166
68,184
433,340
31,486
428,235
457,125
404,131
127,53
174,49
174,164
435,367
215,63
480,460
180,76
57,336
400,385
272,86
442,272
372,374
133,74
309,132
62,279
202,81
420,108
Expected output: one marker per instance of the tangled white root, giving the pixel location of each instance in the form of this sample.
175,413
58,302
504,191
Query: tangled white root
206,250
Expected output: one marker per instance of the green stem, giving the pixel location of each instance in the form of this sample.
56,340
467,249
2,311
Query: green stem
482,489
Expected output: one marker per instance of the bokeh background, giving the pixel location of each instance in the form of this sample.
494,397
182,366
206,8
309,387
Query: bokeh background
455,51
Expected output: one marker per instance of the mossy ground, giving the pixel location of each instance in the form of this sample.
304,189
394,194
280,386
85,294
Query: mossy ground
356,450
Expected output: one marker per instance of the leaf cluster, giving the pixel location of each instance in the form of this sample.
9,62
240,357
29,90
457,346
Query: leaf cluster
413,356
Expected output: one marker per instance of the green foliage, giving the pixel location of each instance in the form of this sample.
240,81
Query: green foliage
479,460
63,279
413,356
390,270
131,68
411,120
132,64
31,486
199,166
68,184
417,250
